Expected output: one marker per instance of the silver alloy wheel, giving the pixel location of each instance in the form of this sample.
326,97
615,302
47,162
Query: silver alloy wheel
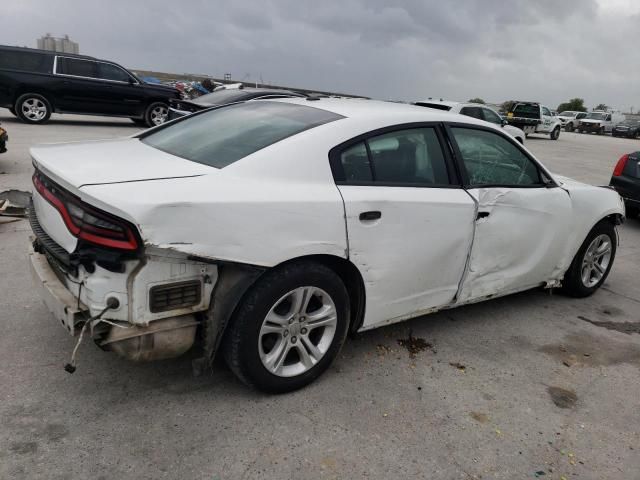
596,261
297,332
159,114
34,109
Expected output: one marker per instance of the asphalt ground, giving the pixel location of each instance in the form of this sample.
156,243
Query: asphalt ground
531,385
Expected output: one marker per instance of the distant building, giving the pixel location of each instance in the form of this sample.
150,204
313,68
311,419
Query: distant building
57,44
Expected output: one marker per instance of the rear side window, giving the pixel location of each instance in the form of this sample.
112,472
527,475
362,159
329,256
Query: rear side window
106,71
26,61
491,159
76,67
411,157
475,112
224,135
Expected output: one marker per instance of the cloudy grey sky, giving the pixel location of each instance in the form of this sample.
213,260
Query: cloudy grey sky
546,50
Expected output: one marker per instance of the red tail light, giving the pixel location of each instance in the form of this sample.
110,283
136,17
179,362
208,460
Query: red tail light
620,165
85,222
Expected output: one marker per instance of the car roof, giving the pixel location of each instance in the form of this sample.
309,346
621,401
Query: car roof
389,113
50,52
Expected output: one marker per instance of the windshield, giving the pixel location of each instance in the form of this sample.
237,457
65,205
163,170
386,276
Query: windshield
596,116
567,114
224,135
631,123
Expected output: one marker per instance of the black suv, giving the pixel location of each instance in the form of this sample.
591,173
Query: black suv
36,83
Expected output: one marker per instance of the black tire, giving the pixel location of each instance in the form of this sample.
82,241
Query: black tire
579,131
572,284
151,115
555,134
241,343
601,131
569,127
40,111
140,122
632,212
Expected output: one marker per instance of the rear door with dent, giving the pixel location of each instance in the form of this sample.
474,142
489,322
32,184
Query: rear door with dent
409,222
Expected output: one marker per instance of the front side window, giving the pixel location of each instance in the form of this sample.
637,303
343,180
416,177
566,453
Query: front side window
403,157
491,116
108,71
224,135
545,111
76,67
491,159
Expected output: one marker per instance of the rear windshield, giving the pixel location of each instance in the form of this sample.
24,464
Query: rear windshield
437,106
527,110
225,135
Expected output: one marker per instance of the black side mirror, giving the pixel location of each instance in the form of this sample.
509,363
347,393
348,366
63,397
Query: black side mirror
504,122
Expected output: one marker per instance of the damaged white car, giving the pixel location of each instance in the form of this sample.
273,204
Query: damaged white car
269,230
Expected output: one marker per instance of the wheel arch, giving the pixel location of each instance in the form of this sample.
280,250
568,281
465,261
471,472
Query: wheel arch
235,281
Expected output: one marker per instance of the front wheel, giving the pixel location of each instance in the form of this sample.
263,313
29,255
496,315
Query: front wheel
289,327
555,134
32,108
156,114
592,264
601,131
569,127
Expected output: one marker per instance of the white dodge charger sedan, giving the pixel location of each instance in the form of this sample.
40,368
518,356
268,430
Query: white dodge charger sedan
269,230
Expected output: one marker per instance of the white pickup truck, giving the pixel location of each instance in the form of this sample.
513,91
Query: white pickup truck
532,117
600,122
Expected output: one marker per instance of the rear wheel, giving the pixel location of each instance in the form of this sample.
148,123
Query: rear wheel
156,114
592,264
555,134
33,108
289,327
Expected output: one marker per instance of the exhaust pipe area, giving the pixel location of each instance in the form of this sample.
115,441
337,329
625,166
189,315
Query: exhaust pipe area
162,339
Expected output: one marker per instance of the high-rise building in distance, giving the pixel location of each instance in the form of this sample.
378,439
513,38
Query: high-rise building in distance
58,44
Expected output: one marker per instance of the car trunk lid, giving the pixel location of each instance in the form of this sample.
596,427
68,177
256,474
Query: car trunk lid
74,165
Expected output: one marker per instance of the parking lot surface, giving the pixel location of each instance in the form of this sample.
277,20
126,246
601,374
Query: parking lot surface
526,386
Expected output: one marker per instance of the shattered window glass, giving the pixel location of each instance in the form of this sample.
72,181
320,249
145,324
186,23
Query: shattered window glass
491,159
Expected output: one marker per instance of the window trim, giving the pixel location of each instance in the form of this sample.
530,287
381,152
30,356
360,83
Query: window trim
457,155
120,82
337,169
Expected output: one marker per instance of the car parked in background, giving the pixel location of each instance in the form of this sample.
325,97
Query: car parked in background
600,122
36,83
474,110
628,128
532,117
4,138
274,228
626,180
569,119
180,108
